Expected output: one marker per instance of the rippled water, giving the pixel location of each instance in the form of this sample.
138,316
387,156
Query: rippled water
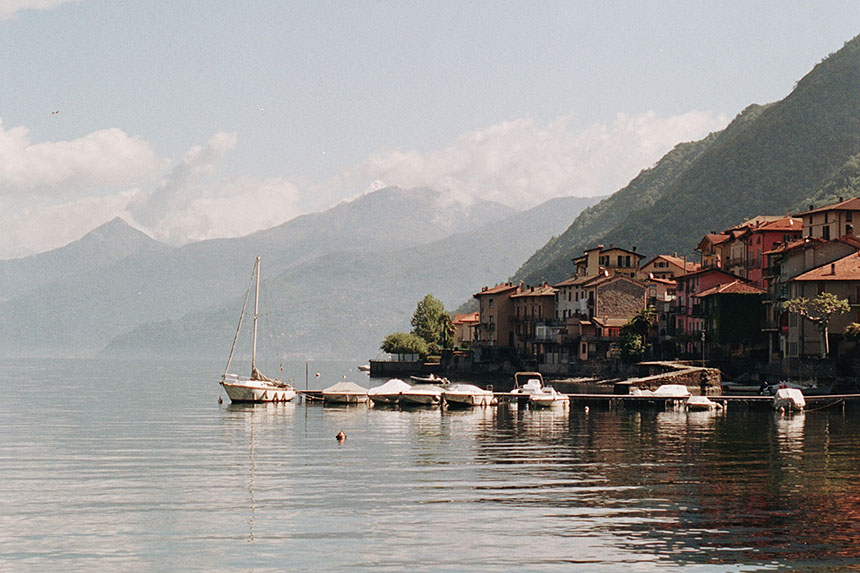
134,466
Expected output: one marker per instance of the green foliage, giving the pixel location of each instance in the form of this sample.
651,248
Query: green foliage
820,311
404,343
852,332
635,334
765,162
432,323
633,348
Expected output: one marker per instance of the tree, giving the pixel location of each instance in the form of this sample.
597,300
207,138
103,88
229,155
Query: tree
432,323
404,343
635,334
820,311
852,332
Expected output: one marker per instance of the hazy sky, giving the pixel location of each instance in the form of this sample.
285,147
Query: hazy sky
197,119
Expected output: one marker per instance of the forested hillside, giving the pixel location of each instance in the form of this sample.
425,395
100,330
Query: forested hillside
770,160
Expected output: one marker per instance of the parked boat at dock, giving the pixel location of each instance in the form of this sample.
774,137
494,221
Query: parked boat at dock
431,379
548,397
702,403
388,393
421,395
467,395
345,393
257,387
790,399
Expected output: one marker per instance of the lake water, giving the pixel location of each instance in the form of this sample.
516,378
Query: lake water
134,466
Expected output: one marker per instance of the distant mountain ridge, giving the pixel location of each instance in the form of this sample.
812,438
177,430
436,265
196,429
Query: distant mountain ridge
770,160
111,242
344,303
75,300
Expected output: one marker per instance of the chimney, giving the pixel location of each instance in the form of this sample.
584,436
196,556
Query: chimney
634,248
811,206
841,200
832,268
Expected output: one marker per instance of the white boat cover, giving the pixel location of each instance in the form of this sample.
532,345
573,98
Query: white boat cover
345,388
697,402
789,398
393,386
467,389
676,391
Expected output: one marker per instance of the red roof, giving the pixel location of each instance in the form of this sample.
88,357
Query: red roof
734,287
542,290
844,269
504,287
466,318
847,205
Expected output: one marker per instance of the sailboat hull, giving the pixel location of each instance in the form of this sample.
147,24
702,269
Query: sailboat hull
257,391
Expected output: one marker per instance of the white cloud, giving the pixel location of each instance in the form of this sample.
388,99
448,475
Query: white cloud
188,207
108,157
519,163
10,8
522,164
40,228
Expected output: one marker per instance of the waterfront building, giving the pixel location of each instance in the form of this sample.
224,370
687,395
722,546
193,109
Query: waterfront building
496,314
841,278
667,267
831,221
465,328
534,324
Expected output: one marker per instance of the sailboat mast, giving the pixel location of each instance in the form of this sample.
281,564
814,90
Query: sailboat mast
256,309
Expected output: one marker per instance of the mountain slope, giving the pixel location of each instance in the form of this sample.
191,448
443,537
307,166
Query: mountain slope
766,162
343,304
111,242
78,312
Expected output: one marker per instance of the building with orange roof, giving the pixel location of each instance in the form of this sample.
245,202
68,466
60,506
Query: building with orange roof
841,278
465,328
496,315
614,260
733,314
831,221
667,267
534,313
785,263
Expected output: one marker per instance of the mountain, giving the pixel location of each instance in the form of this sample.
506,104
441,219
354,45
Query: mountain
769,160
343,304
85,301
111,242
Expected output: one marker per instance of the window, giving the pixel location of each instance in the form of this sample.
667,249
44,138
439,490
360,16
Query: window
491,303
849,215
825,232
826,217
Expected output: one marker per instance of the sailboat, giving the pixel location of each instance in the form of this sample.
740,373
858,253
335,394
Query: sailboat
257,387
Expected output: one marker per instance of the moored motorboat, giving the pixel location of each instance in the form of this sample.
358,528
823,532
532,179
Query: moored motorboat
345,393
431,379
421,395
547,397
702,403
790,399
388,393
467,395
257,387
364,367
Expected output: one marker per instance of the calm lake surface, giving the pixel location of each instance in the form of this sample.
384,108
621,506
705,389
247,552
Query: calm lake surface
134,466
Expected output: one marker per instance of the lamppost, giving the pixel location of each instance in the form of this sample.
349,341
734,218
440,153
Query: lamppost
703,346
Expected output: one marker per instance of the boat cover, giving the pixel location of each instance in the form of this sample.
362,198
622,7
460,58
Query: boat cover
393,386
345,388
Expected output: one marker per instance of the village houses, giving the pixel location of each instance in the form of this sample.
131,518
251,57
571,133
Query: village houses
728,304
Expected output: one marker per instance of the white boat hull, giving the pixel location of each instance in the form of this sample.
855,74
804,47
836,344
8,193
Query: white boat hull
257,391
385,399
344,398
421,398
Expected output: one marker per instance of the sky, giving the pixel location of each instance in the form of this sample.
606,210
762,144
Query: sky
201,119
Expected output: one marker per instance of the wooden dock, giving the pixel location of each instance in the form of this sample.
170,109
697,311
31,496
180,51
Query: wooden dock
634,401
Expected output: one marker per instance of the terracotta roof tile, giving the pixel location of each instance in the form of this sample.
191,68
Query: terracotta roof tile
734,287
849,205
844,269
466,318
504,287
